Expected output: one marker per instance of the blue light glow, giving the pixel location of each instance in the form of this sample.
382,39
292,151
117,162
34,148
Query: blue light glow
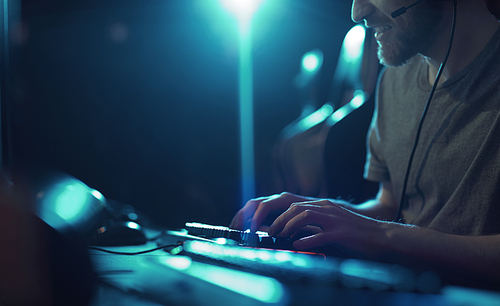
260,288
97,194
71,200
316,117
177,262
312,61
368,270
358,100
66,201
243,9
133,225
353,44
246,116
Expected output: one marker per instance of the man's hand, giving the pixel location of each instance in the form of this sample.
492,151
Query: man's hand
347,230
256,210
251,216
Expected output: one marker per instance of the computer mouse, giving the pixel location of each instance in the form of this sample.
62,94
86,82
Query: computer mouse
121,233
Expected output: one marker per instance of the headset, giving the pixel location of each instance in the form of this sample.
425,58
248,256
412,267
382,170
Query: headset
404,9
396,14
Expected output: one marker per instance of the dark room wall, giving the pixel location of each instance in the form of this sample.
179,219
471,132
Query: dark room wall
139,99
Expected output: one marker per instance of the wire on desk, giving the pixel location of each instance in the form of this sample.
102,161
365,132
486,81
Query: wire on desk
132,253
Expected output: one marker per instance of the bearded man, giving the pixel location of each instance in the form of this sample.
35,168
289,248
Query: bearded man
441,210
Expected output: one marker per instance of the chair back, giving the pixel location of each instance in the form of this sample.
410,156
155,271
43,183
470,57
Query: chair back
305,163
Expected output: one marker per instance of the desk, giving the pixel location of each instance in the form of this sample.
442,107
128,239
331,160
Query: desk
173,279
158,278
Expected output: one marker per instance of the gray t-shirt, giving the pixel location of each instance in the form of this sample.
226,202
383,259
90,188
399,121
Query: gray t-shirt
454,182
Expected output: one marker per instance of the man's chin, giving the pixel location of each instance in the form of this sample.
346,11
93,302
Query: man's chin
392,59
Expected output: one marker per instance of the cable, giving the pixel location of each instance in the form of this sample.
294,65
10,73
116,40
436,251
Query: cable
426,108
133,253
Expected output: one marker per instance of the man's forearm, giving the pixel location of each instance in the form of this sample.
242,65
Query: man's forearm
373,209
467,260
458,258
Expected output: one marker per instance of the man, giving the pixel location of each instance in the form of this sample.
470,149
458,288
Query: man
450,210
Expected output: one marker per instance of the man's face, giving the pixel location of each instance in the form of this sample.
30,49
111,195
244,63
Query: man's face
402,37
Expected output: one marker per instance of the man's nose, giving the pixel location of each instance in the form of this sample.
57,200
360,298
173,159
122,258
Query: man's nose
360,9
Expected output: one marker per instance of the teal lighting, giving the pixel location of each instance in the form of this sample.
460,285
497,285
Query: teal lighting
368,270
246,115
311,64
97,194
180,263
454,295
260,288
242,17
71,200
67,202
310,121
317,117
353,44
244,11
358,100
133,225
312,61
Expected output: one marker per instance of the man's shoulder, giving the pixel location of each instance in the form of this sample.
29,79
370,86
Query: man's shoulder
397,78
412,67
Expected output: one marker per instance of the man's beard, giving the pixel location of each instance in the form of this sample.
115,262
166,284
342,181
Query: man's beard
415,35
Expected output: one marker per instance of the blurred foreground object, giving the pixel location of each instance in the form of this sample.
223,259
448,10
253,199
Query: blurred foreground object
39,265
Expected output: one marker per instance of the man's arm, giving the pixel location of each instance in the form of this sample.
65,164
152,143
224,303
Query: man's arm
358,230
455,256
466,260
383,207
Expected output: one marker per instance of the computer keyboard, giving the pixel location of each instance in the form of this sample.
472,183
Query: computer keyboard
234,249
289,266
245,238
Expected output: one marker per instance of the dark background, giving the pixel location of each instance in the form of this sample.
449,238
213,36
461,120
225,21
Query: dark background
139,99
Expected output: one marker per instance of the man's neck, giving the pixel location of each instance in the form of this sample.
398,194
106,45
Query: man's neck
474,29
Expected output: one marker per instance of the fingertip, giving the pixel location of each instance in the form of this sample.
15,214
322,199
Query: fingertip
305,242
254,227
232,225
235,221
271,231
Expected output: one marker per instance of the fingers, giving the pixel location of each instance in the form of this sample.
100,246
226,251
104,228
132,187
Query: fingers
256,210
313,241
279,202
264,208
295,209
310,219
306,231
306,218
243,217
